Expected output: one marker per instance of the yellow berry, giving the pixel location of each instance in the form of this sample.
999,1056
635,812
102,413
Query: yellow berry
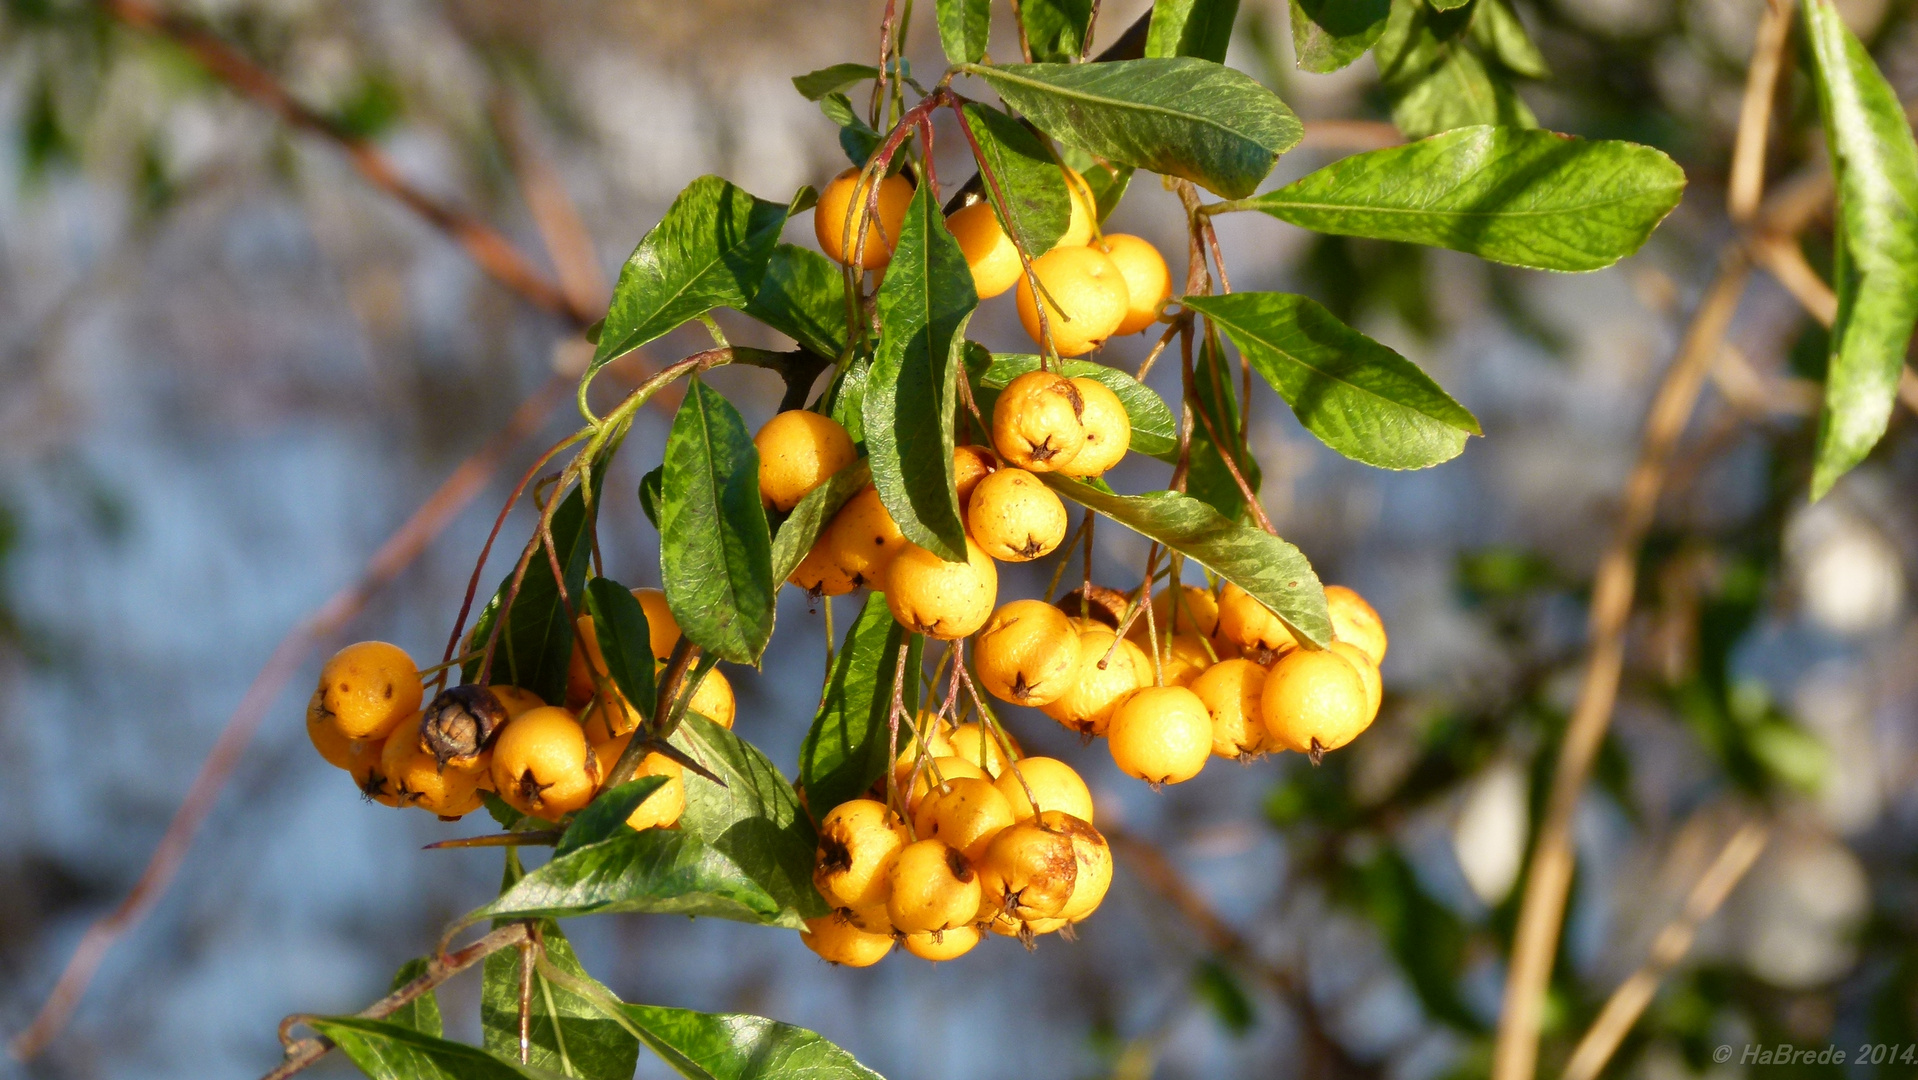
1250,625
841,209
966,813
1231,692
419,780
323,728
944,944
989,252
1027,653
1093,875
1161,734
1086,299
971,464
1183,659
859,841
1028,871
1314,700
364,765
1084,210
973,742
934,887
663,807
863,539
1368,674
661,628
819,573
1055,785
938,769
1148,282
1354,620
798,451
1108,430
369,688
1014,517
940,599
542,764
1036,422
840,942
1103,682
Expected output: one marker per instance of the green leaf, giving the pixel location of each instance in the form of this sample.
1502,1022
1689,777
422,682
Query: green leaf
1155,431
715,550
1496,29
1178,116
849,400
1215,398
856,137
1036,209
846,749
709,251
1329,34
650,486
567,1033
422,1014
754,818
1359,397
606,815
924,302
803,296
656,871
1273,571
1447,5
1434,80
536,643
1201,28
1107,182
1876,269
812,514
387,1051
965,26
1515,196
832,80
625,642
1215,985
709,1046
1055,29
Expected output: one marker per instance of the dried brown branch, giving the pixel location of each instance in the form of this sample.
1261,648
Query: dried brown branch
485,245
294,649
1754,117
1627,1002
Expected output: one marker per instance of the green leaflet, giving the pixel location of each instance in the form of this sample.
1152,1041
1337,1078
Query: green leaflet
1179,116
832,80
1329,34
1155,430
715,550
754,819
965,27
605,817
924,302
1274,572
708,1046
812,514
1522,197
387,1051
1055,29
625,642
1036,209
856,137
657,871
1496,29
1876,269
803,297
1435,81
1215,398
847,747
1359,397
710,250
1201,28
568,1034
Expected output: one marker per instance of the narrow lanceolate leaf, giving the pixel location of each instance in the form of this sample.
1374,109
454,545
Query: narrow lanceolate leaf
1434,79
1273,571
1522,197
753,817
422,1014
605,817
715,551
709,1046
1179,116
1876,270
847,747
1215,400
1329,34
924,303
1503,38
803,296
1364,400
812,514
1201,28
384,1050
964,27
625,642
567,1033
1036,209
1055,29
656,871
710,250
1155,431
832,80
536,643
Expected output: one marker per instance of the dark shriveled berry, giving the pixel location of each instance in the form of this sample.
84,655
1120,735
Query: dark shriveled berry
460,723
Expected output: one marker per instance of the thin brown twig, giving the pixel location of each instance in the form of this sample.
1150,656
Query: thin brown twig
568,242
397,553
485,245
1754,117
1358,135
1627,1002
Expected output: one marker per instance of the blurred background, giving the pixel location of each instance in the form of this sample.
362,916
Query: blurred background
229,368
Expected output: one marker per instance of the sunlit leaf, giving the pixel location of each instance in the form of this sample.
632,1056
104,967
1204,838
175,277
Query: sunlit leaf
846,749
1201,28
389,1051
625,642
567,1033
1036,209
1434,79
965,27
803,296
1329,34
1155,430
1055,29
715,549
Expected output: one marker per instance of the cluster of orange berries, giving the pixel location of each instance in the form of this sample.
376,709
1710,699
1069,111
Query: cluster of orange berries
1091,286
998,843
543,760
